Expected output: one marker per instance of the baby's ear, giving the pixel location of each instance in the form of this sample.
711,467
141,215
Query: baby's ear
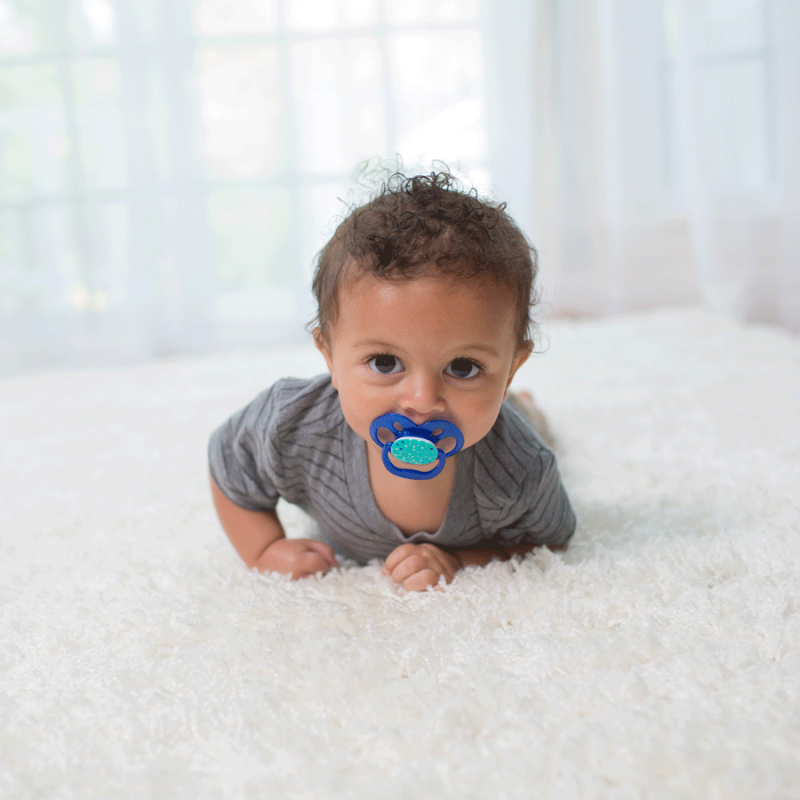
321,341
521,356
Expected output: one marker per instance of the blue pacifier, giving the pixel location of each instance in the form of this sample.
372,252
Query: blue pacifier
415,444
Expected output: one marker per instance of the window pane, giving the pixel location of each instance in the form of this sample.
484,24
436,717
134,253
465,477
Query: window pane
141,22
324,206
27,28
242,112
34,144
93,23
715,27
733,123
303,15
415,11
439,80
725,27
256,264
11,260
252,229
339,103
40,265
226,18
148,116
111,245
97,101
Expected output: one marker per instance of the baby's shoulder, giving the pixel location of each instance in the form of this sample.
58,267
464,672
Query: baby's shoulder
306,391
510,460
514,433
291,403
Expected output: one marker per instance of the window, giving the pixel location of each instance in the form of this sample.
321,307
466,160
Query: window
169,170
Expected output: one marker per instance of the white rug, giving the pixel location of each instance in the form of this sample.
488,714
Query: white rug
659,657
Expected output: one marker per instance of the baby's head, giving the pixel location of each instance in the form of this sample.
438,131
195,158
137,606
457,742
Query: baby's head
424,298
425,226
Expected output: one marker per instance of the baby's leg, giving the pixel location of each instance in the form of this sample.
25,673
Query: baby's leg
523,402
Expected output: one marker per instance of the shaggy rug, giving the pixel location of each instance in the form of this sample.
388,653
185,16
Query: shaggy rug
658,657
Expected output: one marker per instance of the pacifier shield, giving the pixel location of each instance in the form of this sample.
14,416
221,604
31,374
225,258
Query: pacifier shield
414,444
414,450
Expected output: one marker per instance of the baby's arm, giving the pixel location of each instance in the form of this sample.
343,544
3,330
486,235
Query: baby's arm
259,539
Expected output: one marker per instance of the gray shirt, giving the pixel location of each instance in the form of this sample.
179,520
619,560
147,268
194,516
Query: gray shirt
293,442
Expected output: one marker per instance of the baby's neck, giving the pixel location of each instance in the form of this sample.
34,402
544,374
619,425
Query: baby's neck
413,506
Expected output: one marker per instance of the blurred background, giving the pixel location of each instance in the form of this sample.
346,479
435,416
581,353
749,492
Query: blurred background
169,168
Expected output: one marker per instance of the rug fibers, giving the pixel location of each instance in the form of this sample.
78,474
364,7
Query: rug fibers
658,657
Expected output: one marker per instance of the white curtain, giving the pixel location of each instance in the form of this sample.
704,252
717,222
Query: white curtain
668,152
169,168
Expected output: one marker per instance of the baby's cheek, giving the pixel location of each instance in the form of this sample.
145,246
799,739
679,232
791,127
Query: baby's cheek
355,417
484,416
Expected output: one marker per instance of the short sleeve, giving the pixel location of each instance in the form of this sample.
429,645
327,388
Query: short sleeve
542,514
519,493
241,454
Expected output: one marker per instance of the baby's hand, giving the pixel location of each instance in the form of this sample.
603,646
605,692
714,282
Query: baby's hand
418,566
297,557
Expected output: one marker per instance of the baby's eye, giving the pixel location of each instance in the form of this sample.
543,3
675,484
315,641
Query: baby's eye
462,368
385,365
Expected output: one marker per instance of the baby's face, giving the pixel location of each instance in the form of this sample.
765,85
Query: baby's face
427,348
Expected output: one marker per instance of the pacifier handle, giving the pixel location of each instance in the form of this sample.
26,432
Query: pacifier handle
425,431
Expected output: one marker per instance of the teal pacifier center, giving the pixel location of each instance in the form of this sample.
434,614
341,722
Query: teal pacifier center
413,450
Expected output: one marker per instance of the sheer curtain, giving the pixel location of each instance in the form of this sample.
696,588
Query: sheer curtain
669,155
169,168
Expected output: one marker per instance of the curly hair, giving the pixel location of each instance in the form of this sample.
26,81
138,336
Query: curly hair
427,225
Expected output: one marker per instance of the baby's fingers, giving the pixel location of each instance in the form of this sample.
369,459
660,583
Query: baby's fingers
325,550
409,566
310,563
421,580
397,556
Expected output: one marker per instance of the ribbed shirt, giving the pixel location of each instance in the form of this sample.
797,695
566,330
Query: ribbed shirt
293,442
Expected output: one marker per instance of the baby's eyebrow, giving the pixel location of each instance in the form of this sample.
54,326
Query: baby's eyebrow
482,348
464,348
374,344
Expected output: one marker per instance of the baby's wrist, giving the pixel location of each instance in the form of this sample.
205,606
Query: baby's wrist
478,556
269,556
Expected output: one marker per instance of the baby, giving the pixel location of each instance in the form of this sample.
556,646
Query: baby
424,298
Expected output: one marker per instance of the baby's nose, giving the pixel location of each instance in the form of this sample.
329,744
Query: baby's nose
422,397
